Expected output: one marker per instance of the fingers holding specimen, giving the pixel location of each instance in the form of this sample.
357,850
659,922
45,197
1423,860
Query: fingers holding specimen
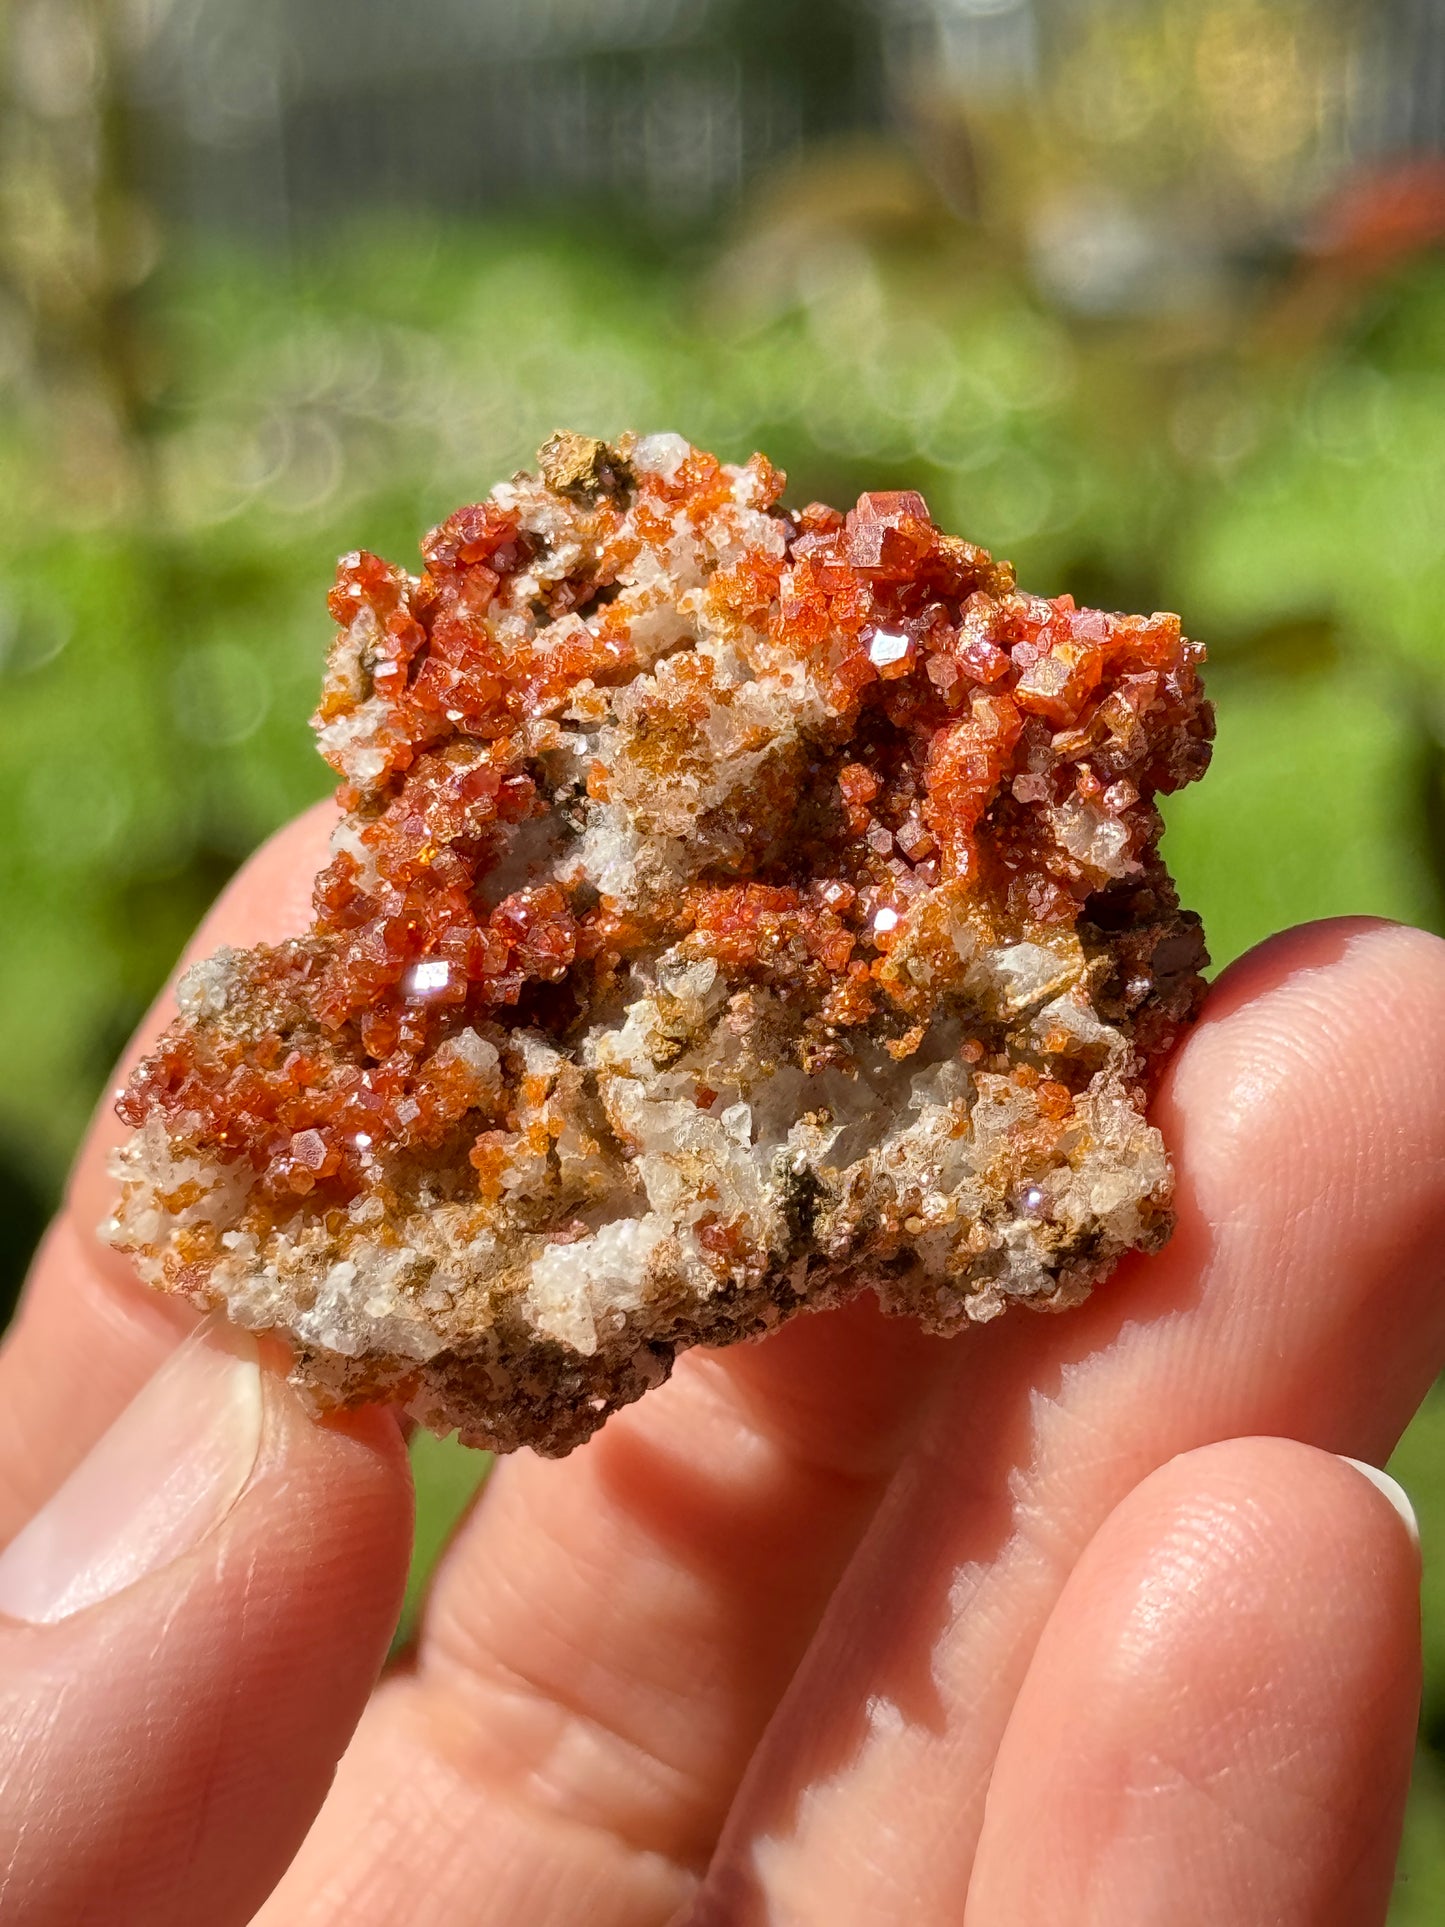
608,1636
188,1632
1300,1296
1305,1111
1218,1723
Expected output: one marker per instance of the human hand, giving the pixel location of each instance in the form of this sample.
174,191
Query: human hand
1069,1621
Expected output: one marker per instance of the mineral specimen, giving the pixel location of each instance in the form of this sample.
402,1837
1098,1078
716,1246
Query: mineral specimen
730,909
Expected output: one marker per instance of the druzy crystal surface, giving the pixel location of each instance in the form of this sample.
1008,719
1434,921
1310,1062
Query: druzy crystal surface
729,909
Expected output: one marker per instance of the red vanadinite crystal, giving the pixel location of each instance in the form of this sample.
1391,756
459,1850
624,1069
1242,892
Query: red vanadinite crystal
952,700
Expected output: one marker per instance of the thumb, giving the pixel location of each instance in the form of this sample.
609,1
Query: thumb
188,1632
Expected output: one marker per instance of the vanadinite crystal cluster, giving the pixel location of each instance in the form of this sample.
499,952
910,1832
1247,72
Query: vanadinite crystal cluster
730,908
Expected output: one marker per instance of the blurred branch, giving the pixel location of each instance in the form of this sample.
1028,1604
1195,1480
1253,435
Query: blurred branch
75,244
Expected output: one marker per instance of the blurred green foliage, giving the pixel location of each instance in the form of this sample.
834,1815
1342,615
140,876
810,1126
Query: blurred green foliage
158,660
447,1478
161,632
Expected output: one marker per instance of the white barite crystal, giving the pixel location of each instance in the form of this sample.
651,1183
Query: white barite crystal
427,979
1032,973
887,646
576,1287
661,455
1098,840
201,991
479,1060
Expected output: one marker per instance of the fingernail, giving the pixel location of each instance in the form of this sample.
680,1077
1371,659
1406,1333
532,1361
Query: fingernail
166,1473
1394,1492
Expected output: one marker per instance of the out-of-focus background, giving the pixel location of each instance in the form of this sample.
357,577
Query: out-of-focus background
1149,296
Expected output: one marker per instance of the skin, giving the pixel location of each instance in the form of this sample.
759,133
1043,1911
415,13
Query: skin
1075,1619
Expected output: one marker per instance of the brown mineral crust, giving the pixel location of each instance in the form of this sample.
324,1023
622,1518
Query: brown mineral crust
814,794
